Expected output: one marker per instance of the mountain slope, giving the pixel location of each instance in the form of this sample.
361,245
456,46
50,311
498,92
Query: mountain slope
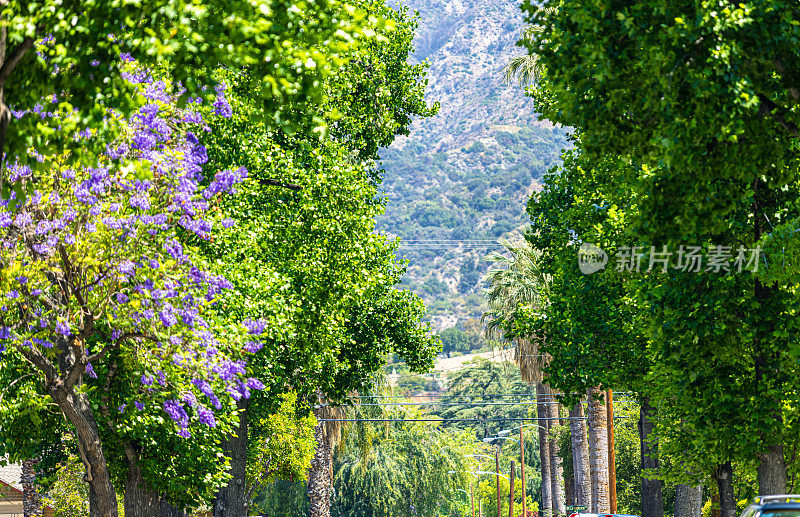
462,178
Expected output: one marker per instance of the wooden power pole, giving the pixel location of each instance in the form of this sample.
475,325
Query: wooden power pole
511,491
522,471
612,467
497,472
472,496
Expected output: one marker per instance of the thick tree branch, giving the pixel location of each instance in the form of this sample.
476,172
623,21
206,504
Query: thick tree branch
13,60
769,107
276,183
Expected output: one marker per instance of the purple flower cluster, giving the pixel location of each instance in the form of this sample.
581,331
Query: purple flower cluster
126,212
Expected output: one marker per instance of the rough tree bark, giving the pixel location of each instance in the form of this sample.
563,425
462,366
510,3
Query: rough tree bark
75,406
556,468
723,475
31,501
580,457
652,496
320,475
544,448
140,499
598,450
688,500
232,500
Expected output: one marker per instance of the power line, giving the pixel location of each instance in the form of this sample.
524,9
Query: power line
451,419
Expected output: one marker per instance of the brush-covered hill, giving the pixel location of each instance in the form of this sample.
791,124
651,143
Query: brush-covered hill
461,179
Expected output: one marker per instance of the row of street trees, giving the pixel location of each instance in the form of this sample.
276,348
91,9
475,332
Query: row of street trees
684,178
187,215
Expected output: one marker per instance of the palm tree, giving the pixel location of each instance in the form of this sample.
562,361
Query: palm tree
327,434
580,456
598,450
516,281
524,69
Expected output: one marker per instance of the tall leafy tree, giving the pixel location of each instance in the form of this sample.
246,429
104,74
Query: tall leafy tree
686,88
304,256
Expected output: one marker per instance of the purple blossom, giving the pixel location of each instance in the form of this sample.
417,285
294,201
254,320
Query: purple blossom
138,405
206,416
90,371
254,384
62,327
147,380
252,346
176,412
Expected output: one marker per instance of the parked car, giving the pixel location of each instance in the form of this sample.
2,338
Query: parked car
787,505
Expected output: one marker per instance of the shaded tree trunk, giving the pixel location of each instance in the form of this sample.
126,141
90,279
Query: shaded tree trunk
544,448
688,500
320,475
652,496
580,456
76,408
771,466
598,450
723,475
232,499
140,499
556,468
31,500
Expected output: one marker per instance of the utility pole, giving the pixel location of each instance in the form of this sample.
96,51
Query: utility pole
497,471
522,471
612,466
472,496
511,491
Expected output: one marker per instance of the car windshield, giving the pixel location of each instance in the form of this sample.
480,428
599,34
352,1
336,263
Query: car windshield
794,512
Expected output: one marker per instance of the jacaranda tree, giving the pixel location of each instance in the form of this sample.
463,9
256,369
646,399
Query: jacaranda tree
94,265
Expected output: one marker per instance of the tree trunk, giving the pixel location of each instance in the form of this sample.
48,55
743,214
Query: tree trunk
31,501
569,490
652,497
612,462
75,406
140,499
232,499
771,467
580,457
688,500
544,448
772,471
320,475
723,474
556,468
598,450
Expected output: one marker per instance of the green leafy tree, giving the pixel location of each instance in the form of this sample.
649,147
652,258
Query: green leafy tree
681,88
67,48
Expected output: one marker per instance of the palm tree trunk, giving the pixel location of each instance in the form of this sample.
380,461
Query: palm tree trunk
544,449
31,502
556,469
580,457
598,451
320,473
